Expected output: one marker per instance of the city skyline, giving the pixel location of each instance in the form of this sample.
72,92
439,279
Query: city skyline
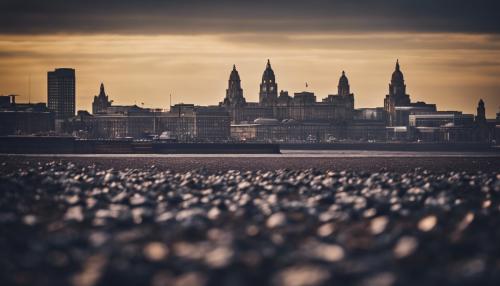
306,86
150,49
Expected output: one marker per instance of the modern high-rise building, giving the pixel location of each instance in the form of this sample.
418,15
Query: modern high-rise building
61,92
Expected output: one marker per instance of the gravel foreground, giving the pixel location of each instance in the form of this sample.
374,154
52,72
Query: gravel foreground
65,223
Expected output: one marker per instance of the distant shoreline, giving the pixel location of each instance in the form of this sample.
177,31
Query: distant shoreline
71,145
266,162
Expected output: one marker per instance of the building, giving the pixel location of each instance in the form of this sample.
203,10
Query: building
441,119
303,106
397,96
185,122
24,118
268,91
280,117
61,92
397,103
101,102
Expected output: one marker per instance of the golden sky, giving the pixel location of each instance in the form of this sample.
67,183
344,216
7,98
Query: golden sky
453,70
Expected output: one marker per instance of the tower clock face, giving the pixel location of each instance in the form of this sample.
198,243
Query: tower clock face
263,88
271,88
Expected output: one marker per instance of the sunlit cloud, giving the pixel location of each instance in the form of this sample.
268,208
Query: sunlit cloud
452,70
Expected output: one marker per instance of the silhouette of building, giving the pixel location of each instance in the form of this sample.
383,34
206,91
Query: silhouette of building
284,118
481,112
101,102
185,122
335,109
24,118
397,103
483,129
61,92
268,91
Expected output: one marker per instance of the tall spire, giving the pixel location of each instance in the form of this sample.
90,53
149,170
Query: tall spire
268,64
397,64
234,67
101,90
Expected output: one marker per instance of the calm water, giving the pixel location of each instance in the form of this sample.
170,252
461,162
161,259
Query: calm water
292,154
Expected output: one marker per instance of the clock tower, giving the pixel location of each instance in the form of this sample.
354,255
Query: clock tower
268,94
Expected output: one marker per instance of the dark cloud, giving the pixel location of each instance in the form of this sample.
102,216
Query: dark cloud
202,16
367,41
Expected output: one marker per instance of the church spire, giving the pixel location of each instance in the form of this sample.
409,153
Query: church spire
397,64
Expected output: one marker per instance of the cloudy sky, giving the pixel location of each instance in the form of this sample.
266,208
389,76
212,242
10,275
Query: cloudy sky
144,50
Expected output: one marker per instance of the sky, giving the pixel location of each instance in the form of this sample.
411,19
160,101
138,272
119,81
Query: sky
143,51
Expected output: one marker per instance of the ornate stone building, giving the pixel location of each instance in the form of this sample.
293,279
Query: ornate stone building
397,95
268,94
397,103
101,102
334,109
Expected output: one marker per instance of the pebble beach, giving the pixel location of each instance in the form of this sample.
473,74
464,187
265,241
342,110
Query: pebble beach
82,222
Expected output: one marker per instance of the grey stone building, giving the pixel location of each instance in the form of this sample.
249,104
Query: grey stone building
303,106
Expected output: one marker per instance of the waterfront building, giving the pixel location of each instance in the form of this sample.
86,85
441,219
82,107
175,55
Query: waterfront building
303,106
441,119
101,102
268,91
185,122
24,118
299,118
61,92
398,105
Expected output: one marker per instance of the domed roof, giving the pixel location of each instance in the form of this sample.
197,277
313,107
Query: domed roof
343,81
397,75
234,74
268,73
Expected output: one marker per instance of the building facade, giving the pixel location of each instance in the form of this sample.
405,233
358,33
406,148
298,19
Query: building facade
24,118
281,117
184,122
398,105
268,91
61,92
101,102
303,106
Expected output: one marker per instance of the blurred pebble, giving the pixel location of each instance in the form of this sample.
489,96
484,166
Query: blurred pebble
405,246
276,220
427,223
378,224
155,251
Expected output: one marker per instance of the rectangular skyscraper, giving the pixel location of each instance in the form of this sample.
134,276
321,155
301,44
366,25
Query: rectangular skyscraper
61,92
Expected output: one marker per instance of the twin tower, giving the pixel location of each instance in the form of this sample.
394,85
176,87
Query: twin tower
268,94
268,91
